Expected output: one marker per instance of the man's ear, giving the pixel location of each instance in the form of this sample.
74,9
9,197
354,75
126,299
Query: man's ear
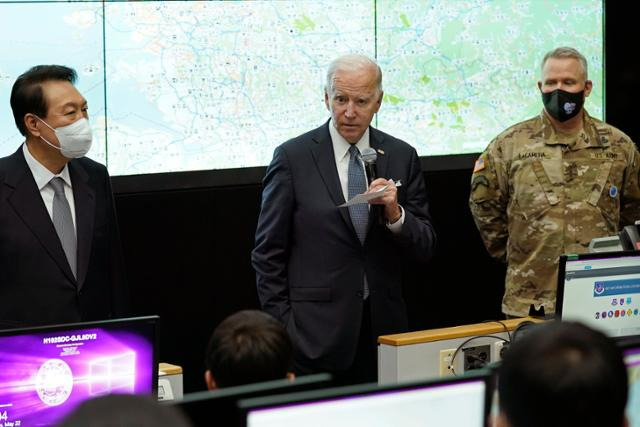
379,101
31,124
209,380
588,85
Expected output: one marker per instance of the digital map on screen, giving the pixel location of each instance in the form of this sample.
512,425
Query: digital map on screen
191,85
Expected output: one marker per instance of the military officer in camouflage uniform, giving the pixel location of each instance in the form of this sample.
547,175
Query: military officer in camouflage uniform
550,184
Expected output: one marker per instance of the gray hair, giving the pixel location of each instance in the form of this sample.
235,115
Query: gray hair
352,62
566,52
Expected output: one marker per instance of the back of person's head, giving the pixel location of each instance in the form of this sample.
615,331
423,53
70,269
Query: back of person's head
563,374
123,410
247,347
27,95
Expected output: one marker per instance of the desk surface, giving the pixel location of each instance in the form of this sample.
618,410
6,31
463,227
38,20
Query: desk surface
169,369
431,335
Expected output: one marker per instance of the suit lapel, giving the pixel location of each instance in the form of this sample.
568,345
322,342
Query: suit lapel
85,201
377,142
324,157
28,205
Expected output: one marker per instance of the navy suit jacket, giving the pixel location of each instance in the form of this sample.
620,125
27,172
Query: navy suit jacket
309,262
36,283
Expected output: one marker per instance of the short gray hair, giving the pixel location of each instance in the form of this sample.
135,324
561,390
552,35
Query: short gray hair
352,62
567,52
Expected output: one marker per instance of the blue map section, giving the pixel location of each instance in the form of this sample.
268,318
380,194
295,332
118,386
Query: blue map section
69,34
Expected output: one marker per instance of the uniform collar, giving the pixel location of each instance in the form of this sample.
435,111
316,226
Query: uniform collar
587,137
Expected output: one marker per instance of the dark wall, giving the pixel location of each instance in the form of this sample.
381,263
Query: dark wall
188,250
187,257
622,71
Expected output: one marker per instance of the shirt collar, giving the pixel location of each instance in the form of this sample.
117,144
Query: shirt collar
341,146
42,175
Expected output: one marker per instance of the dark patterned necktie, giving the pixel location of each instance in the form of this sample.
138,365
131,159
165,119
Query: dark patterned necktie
63,222
357,184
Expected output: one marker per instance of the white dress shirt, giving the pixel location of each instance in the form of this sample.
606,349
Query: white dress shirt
341,151
42,176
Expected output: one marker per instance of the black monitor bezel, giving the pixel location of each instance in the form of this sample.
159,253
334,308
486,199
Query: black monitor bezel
192,403
628,343
154,320
247,405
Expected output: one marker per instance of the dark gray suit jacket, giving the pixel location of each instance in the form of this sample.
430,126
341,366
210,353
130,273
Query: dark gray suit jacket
309,262
36,283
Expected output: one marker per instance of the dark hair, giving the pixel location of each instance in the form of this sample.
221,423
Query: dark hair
27,95
561,374
118,410
247,347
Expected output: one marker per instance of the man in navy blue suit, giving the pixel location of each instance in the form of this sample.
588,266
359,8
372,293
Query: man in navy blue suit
60,255
333,275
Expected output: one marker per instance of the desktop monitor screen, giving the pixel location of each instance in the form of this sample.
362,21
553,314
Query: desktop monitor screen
632,360
452,403
45,372
601,290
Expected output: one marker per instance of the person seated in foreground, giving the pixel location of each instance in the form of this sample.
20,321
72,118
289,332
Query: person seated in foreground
247,347
562,374
124,410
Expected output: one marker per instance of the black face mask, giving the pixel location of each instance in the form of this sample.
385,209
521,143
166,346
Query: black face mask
563,105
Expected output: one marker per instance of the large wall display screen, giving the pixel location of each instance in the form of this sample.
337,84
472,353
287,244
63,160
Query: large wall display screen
194,85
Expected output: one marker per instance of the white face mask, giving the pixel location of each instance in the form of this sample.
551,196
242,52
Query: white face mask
75,139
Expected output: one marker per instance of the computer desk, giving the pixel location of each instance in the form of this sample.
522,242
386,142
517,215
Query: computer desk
413,356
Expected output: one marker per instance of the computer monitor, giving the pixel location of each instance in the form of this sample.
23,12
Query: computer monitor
219,407
601,290
45,372
458,402
631,351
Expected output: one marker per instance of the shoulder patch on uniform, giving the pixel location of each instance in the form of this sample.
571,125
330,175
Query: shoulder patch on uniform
480,164
478,181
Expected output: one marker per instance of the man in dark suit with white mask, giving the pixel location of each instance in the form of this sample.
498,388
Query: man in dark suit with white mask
60,254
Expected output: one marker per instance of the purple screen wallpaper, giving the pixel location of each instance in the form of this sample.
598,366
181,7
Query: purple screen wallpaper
45,375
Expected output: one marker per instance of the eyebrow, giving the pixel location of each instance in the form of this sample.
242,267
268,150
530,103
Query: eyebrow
73,104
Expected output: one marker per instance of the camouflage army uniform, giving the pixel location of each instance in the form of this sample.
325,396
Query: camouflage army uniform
536,194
